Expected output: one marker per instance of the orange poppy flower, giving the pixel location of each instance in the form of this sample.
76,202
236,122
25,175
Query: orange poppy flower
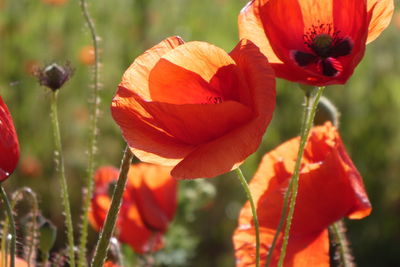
149,204
314,42
330,188
9,146
110,264
194,107
86,55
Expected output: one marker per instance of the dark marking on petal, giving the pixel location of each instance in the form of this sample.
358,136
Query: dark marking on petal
303,59
331,67
342,48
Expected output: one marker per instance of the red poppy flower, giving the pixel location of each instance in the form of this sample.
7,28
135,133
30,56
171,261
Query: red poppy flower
314,42
330,188
110,264
194,107
149,204
9,146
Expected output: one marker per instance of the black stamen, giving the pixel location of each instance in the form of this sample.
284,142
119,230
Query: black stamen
341,48
303,59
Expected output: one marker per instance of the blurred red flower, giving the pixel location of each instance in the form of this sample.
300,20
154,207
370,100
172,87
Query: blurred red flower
18,262
194,107
330,188
314,42
149,204
110,264
9,146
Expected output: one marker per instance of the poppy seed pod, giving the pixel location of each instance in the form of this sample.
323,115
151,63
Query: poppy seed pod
54,76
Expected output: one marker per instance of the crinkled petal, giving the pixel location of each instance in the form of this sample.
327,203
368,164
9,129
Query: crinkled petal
227,152
382,12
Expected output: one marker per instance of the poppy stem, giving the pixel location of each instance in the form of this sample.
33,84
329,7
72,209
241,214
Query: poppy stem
310,109
337,230
245,186
10,218
92,138
109,224
59,159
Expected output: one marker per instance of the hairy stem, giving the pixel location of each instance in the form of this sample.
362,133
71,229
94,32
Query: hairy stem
63,181
246,189
109,224
294,183
10,218
338,232
92,138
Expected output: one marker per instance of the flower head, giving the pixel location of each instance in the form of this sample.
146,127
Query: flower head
330,188
9,146
314,42
149,204
194,107
54,76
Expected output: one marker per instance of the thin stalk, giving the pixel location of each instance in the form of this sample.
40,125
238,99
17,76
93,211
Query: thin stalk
63,181
10,217
92,138
288,191
345,257
311,109
109,224
4,246
18,196
246,189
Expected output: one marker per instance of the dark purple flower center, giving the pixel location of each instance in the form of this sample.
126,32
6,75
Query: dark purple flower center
324,47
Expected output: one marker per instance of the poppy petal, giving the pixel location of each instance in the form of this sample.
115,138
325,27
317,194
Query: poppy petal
136,76
9,146
382,12
228,152
147,142
250,28
303,59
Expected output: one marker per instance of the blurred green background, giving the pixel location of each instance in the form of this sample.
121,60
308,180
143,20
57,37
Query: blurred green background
35,32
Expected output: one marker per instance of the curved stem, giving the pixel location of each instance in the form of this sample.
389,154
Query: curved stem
109,224
92,138
253,210
10,217
294,183
63,181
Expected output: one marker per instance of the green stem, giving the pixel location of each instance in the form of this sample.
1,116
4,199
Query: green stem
336,230
288,191
311,109
253,210
109,224
17,196
63,181
10,217
92,138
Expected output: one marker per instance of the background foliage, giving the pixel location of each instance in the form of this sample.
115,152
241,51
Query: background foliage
34,32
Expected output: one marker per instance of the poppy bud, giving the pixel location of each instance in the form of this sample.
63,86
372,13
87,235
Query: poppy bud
48,233
54,76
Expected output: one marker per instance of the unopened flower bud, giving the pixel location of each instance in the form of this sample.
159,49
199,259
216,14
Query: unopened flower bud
48,233
54,76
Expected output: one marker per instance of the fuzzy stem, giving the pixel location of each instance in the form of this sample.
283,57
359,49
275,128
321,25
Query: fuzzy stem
109,224
337,230
63,181
33,229
92,138
10,217
246,189
4,247
287,193
294,183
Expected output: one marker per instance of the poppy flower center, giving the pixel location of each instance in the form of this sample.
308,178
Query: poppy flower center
324,46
